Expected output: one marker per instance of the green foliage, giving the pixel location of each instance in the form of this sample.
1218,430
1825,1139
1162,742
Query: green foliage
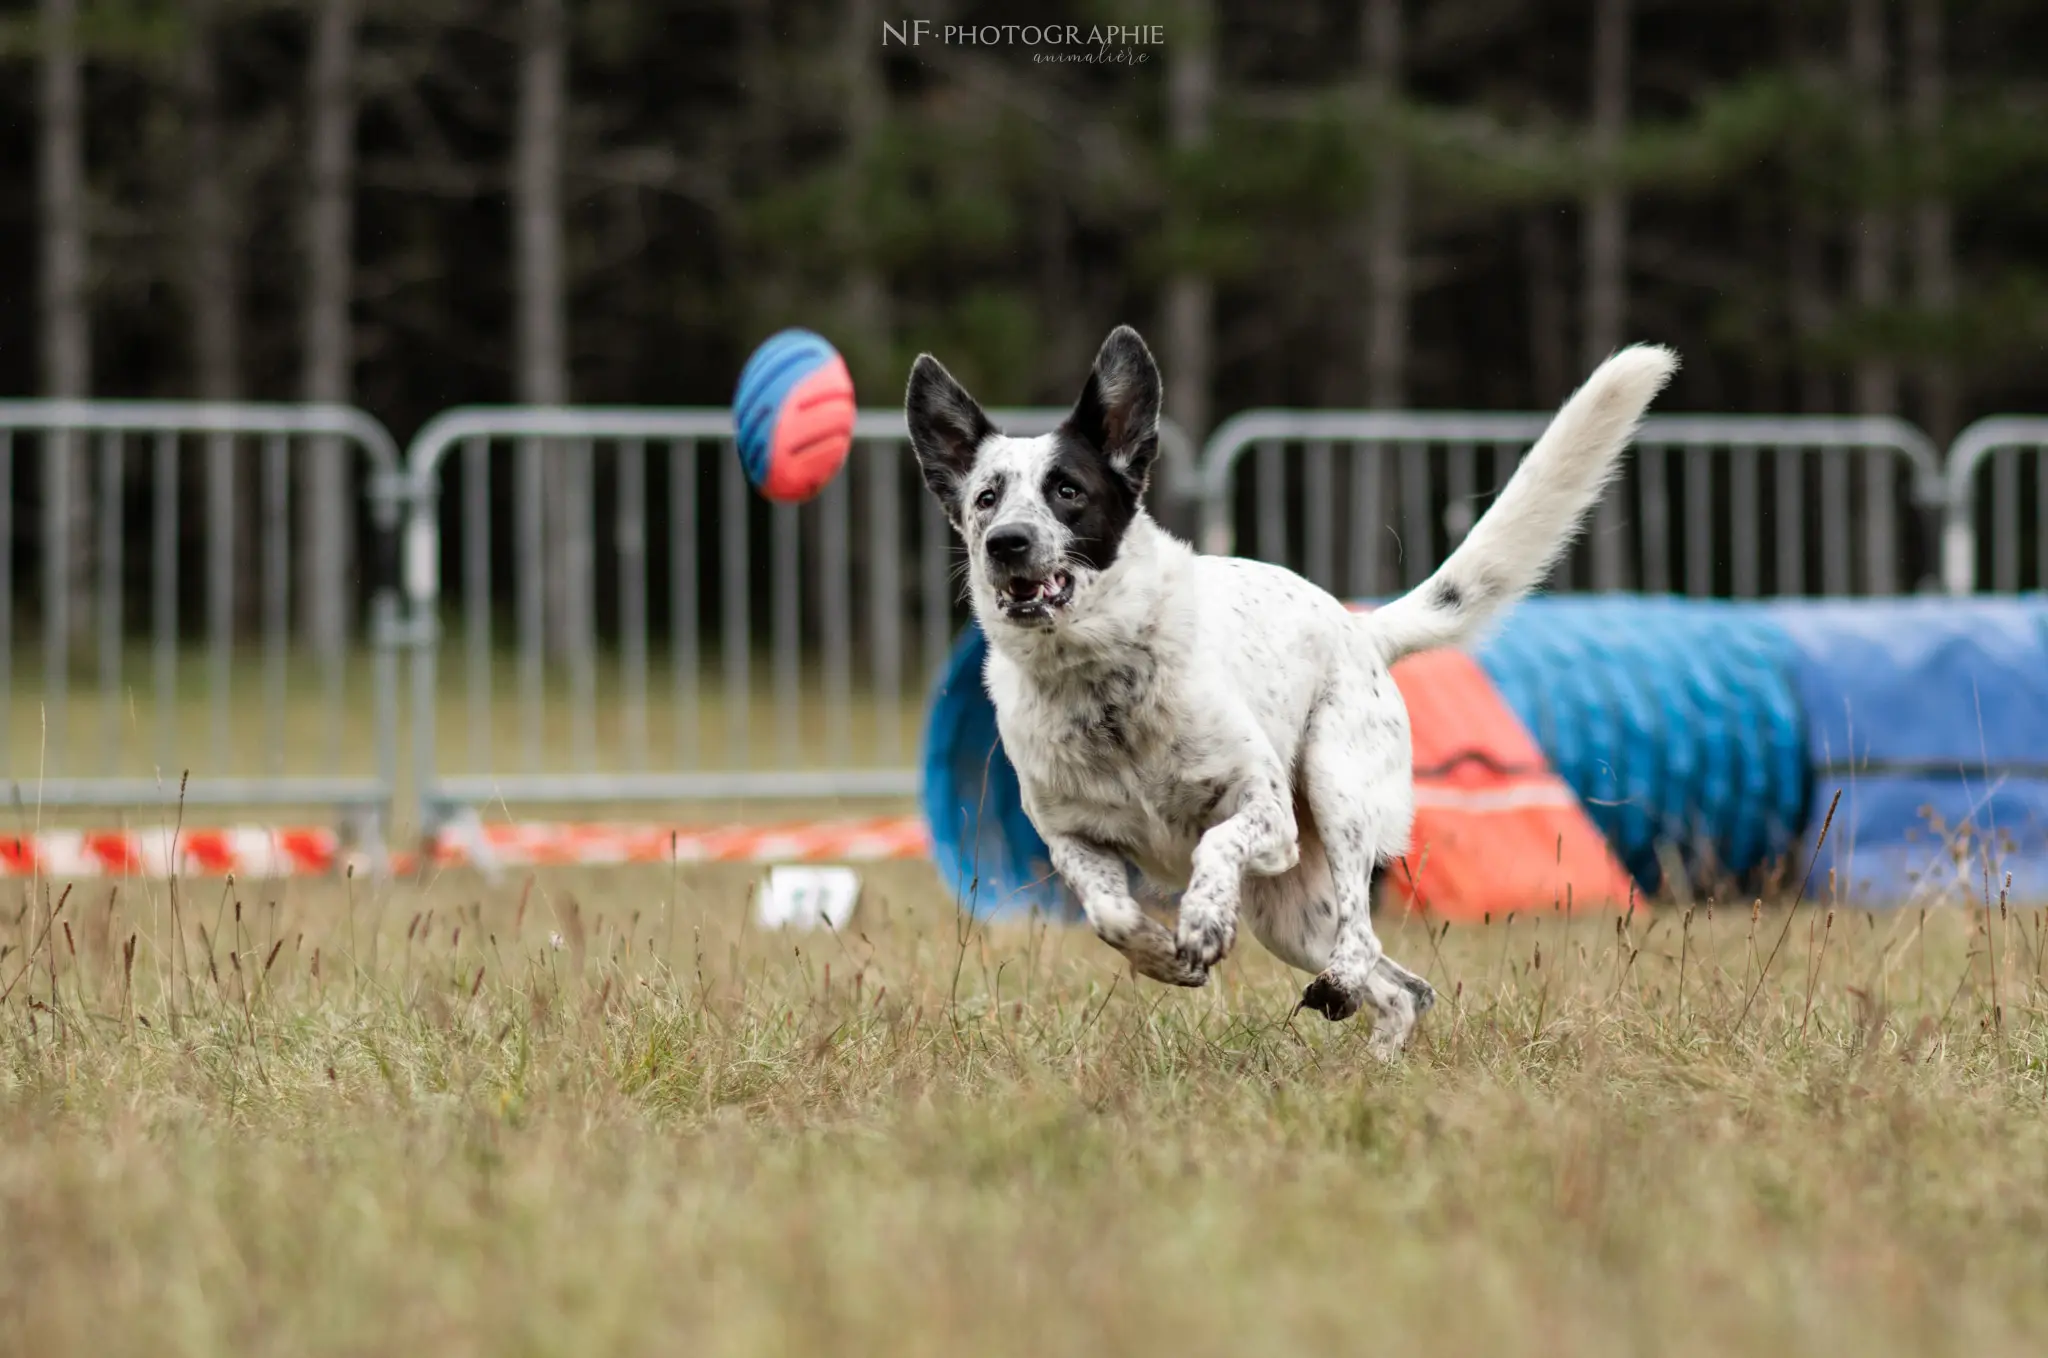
1011,210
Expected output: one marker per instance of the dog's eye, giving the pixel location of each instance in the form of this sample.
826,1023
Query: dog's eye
985,500
1067,491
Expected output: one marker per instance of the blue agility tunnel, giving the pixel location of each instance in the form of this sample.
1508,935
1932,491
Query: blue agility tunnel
1930,716
1702,737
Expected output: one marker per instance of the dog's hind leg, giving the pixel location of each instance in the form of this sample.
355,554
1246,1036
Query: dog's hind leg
1355,769
1100,879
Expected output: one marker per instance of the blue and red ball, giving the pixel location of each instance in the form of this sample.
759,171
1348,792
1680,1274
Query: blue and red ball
793,415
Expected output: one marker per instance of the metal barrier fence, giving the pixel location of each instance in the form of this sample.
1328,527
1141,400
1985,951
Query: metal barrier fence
107,497
615,598
1366,503
1985,537
627,621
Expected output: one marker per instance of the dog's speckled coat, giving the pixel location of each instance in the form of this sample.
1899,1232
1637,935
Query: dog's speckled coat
1223,724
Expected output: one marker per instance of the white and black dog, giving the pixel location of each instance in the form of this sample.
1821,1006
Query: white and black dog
1223,724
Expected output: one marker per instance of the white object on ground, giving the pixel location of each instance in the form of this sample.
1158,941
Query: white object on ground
806,897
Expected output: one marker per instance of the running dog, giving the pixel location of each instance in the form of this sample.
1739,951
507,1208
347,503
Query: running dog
1223,724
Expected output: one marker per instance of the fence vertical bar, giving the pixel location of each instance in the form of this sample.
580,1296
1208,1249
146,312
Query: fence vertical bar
1609,551
406,515
476,594
682,598
1746,577
784,564
335,595
220,583
885,559
2005,530
1699,528
276,491
2040,524
164,590
58,488
1318,489
1418,540
110,572
631,528
934,541
835,565
734,639
1835,573
582,628
1460,512
1880,527
528,493
1368,519
6,597
1653,493
1270,489
1791,513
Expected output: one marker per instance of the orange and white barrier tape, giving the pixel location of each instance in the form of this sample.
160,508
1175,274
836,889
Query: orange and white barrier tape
262,852
246,851
523,845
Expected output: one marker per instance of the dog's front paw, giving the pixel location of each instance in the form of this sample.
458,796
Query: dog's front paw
1153,953
1204,939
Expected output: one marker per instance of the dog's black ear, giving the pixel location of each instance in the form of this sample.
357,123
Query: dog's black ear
947,426
1118,413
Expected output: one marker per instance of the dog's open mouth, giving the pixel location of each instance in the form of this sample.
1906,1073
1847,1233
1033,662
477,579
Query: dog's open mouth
1025,599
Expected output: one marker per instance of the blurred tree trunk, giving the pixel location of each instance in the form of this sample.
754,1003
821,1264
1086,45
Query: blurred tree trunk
866,304
1189,351
212,280
1875,243
1549,345
543,307
1809,305
1606,252
1811,313
67,333
1872,266
326,505
212,287
1386,228
1934,277
66,325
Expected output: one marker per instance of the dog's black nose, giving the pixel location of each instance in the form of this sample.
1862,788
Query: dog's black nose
1008,546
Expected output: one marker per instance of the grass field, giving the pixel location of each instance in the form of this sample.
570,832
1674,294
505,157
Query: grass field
600,1113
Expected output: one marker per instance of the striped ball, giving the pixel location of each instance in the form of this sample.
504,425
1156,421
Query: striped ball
793,415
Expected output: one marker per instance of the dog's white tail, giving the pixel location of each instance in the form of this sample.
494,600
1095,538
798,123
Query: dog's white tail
1539,511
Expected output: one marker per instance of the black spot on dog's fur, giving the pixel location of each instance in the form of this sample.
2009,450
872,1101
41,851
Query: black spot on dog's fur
1105,718
1111,725
1474,592
1120,683
1105,448
1094,503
